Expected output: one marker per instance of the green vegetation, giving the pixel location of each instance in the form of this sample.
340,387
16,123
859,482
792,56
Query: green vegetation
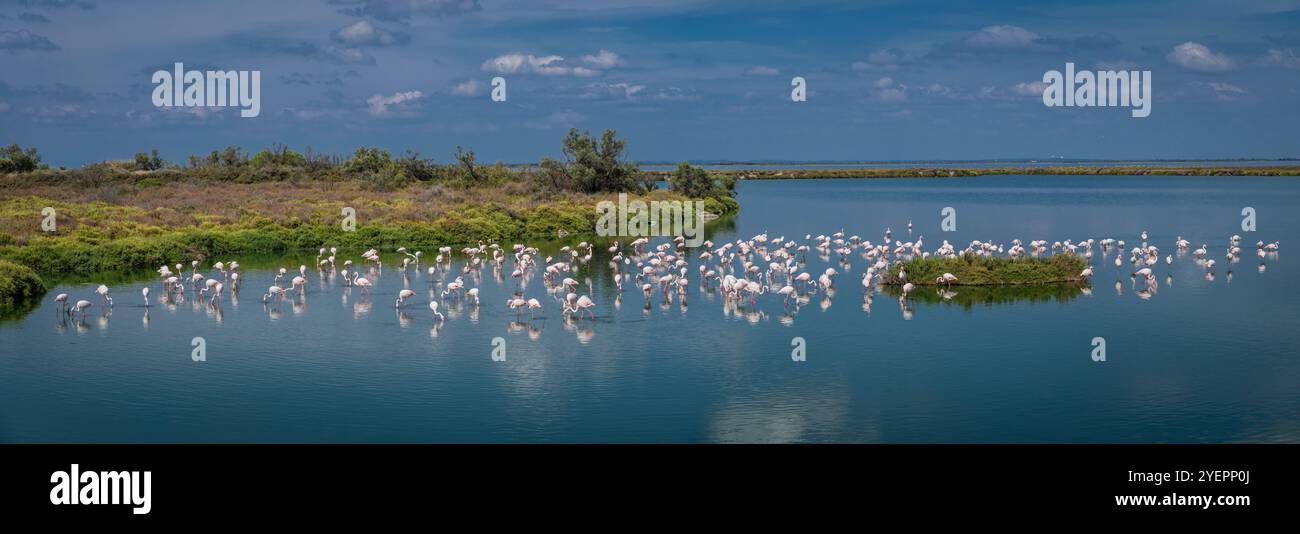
695,182
593,166
972,270
14,158
134,215
19,285
923,172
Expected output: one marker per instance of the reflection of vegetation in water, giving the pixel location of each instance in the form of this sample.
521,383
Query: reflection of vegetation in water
968,296
982,270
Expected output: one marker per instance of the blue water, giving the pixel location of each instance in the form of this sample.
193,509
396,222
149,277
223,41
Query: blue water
1199,361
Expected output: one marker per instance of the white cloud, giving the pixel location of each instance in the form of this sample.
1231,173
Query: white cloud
379,104
603,60
1034,88
889,91
1285,58
552,65
364,33
890,59
468,88
1198,57
1003,38
1226,91
763,71
616,90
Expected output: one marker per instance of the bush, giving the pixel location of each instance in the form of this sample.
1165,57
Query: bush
14,158
695,182
18,284
148,162
368,160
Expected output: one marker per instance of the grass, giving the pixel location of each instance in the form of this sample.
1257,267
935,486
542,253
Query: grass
143,221
939,172
20,288
972,270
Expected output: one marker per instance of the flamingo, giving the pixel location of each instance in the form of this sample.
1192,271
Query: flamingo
433,306
276,291
515,303
62,299
216,294
145,291
102,290
402,296
534,305
81,306
361,282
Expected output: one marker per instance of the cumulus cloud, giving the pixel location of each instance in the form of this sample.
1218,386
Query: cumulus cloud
1198,57
363,33
468,88
404,10
380,104
551,65
763,71
24,40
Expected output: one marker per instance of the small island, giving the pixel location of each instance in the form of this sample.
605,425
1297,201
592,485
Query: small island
973,270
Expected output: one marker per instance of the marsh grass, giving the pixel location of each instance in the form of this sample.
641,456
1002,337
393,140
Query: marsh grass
972,270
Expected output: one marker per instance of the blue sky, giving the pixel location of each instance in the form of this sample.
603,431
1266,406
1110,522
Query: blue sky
679,79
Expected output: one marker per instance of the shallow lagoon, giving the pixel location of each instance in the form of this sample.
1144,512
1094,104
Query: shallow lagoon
1198,361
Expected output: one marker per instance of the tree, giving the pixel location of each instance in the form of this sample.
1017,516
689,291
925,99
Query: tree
14,159
368,159
148,162
466,160
279,154
696,182
593,166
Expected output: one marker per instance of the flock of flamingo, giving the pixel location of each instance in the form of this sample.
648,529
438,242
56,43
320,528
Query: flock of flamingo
741,271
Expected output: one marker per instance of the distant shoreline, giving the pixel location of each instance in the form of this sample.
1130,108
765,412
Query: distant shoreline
946,172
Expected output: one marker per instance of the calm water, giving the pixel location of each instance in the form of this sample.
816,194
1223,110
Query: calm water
1198,361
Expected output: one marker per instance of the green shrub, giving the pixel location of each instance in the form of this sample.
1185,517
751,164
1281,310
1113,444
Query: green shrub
18,285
